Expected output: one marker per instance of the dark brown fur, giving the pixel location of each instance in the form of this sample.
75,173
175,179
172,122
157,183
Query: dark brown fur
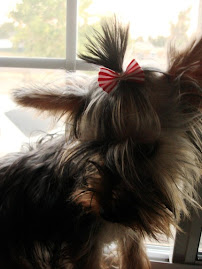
127,167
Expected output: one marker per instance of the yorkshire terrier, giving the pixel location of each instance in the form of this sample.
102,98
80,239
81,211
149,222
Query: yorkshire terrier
126,168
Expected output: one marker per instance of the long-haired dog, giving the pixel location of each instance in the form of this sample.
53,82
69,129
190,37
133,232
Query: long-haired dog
126,168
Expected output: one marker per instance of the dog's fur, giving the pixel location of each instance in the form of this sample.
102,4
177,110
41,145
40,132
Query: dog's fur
127,167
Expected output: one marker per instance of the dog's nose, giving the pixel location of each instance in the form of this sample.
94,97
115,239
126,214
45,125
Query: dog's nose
106,215
103,213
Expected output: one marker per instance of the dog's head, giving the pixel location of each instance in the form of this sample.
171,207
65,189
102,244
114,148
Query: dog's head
139,152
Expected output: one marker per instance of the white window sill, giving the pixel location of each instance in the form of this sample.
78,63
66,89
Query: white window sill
164,265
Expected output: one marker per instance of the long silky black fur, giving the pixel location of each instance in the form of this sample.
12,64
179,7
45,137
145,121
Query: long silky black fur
36,207
107,48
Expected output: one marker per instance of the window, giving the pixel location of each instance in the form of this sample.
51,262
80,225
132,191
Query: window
58,30
199,255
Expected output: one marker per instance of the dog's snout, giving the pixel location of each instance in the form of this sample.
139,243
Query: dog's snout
106,215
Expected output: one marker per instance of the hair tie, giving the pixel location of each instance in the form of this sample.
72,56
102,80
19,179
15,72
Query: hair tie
108,79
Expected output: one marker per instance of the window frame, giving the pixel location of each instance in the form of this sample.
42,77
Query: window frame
186,244
69,63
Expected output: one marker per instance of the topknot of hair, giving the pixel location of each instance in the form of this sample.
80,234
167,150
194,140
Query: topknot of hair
107,48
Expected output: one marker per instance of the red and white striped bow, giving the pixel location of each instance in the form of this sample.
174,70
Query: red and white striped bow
108,79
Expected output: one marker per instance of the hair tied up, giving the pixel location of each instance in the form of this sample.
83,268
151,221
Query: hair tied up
108,79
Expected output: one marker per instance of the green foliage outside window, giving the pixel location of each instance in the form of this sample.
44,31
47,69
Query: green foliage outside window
37,28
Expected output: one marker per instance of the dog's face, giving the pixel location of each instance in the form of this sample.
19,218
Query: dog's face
138,154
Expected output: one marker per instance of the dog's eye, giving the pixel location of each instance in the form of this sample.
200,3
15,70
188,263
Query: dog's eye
148,150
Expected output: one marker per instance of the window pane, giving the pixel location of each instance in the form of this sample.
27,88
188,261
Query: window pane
18,125
32,28
152,25
200,249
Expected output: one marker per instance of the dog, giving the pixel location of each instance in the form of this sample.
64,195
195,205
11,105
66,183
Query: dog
127,166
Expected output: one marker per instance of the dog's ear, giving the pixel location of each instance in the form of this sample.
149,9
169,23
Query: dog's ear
53,98
186,68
